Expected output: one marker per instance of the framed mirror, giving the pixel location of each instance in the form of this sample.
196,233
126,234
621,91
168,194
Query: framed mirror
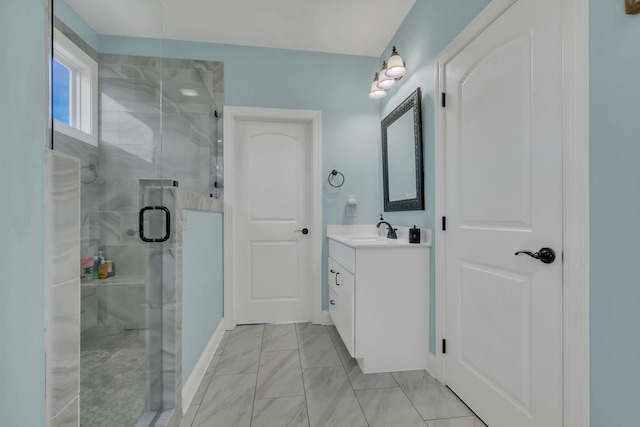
402,164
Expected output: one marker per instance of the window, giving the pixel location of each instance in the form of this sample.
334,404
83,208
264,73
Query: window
60,82
74,91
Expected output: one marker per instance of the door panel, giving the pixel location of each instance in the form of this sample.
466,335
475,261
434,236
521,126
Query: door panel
483,201
504,194
273,202
268,258
496,314
272,187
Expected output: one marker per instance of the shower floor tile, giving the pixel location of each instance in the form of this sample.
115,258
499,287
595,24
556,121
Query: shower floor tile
113,382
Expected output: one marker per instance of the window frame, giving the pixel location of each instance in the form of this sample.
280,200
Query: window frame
83,90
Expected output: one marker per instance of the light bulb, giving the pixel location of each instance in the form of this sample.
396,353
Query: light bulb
387,83
384,81
375,92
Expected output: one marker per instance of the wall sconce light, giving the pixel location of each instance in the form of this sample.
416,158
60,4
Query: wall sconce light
392,71
376,92
384,80
396,67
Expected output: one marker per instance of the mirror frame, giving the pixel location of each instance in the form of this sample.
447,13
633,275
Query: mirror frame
412,103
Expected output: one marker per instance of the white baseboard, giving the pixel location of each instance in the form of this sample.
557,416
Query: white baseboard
197,375
323,318
433,366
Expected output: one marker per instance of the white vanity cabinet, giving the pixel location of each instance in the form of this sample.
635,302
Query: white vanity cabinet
379,303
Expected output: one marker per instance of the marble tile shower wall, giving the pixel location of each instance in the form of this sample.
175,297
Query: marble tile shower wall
150,129
63,290
89,189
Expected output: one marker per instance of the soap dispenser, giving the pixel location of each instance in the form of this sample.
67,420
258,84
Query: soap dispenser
414,235
351,208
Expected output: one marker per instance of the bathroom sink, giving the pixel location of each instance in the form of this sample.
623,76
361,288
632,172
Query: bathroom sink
366,236
359,239
370,241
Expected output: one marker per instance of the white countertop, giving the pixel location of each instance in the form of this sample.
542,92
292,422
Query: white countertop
365,236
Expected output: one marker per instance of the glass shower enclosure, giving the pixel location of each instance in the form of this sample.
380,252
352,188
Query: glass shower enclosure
152,124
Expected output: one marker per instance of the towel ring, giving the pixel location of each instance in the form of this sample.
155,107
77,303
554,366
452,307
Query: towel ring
334,173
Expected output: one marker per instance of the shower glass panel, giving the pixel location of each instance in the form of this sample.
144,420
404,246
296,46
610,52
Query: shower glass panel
119,141
142,123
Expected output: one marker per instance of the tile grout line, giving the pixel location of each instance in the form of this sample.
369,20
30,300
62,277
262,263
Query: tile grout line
349,379
360,405
304,389
255,387
407,396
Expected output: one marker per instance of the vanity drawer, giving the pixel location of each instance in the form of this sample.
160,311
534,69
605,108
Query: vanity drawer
343,255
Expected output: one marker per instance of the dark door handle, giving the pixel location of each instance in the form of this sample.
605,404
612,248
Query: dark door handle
303,231
337,284
546,255
332,302
167,224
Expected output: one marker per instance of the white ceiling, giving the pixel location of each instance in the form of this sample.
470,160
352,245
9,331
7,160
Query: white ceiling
355,27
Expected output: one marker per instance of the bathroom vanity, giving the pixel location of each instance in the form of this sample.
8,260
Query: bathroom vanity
379,296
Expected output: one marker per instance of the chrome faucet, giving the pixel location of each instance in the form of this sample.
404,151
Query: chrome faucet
391,233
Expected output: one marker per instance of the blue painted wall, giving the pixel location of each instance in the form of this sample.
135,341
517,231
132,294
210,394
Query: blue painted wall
69,16
615,210
202,284
337,85
23,113
427,30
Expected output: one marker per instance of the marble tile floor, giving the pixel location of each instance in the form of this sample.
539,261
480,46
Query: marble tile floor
113,383
301,375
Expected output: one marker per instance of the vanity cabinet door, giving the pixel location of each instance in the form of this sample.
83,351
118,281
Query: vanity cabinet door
347,286
341,302
334,308
334,273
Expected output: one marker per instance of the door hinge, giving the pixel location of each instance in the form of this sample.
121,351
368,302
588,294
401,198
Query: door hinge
444,223
444,100
444,346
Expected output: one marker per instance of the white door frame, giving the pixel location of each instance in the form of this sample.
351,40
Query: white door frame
575,31
231,116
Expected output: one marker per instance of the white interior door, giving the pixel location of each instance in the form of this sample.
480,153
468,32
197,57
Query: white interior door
503,124
273,200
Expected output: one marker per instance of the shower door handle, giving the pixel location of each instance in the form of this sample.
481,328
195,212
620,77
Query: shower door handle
167,224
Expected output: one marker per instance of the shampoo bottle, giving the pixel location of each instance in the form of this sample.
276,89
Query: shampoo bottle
96,264
102,268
